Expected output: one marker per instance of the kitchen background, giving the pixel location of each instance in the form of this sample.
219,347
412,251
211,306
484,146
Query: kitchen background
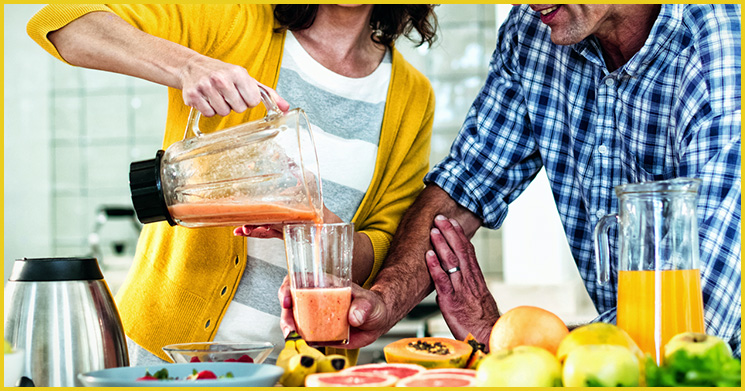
70,135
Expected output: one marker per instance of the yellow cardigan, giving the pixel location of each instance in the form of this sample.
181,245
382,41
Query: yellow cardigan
182,280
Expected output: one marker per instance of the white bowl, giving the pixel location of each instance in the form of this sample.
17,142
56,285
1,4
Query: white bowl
13,363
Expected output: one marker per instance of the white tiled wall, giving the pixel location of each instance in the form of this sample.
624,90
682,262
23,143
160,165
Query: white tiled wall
68,144
27,162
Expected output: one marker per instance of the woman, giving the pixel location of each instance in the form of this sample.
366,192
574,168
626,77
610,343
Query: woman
371,113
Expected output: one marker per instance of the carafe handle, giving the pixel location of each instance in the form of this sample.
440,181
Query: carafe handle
272,110
602,249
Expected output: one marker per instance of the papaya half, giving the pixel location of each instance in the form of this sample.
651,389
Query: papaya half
477,354
429,352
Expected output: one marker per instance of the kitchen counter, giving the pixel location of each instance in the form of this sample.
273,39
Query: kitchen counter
567,300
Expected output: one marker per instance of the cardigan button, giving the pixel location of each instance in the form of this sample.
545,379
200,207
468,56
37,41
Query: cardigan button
237,260
207,325
224,289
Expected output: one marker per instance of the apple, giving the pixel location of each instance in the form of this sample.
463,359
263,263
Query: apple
709,348
602,365
521,366
597,334
8,348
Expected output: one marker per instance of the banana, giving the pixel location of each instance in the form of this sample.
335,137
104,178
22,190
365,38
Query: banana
295,370
332,363
293,335
306,349
284,356
298,367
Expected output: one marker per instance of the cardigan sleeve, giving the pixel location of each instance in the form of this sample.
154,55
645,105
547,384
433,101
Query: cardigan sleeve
55,16
407,133
205,28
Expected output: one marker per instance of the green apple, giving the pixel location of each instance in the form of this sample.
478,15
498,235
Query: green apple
8,348
601,365
710,349
521,366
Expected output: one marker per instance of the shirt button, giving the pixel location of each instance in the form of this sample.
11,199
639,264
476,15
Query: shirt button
600,213
603,149
609,82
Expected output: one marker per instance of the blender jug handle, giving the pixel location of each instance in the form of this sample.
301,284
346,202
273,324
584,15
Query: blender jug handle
272,110
602,249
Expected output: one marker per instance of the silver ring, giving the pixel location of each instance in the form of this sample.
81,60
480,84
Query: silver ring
453,270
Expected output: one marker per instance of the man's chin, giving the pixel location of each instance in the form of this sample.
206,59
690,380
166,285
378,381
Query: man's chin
562,39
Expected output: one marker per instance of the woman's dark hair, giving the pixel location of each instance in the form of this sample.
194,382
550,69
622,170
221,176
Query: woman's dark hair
387,21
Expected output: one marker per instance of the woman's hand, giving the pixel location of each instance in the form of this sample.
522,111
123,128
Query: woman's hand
275,230
215,87
462,293
286,318
260,231
104,41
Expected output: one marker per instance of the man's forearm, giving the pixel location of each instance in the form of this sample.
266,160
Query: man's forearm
404,280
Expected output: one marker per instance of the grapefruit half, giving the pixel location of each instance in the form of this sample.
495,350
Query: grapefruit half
400,371
349,379
437,380
450,371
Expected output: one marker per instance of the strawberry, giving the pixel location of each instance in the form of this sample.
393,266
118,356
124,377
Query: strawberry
243,358
195,359
206,374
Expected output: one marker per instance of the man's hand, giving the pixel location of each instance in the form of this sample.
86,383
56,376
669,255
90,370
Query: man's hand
368,318
462,294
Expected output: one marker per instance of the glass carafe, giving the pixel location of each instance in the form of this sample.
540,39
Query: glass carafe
260,172
659,286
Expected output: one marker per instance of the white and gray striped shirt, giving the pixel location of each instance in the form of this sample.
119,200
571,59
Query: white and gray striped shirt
346,116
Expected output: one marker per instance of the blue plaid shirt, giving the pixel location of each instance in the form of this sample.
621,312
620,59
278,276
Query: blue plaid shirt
673,110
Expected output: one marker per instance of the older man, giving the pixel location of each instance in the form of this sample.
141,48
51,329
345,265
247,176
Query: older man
598,95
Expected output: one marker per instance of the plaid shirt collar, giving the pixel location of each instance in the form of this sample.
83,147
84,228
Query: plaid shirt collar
667,22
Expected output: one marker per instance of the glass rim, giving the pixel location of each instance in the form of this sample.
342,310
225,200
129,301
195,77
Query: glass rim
318,224
205,346
675,185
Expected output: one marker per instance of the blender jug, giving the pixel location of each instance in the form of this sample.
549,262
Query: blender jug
260,172
659,283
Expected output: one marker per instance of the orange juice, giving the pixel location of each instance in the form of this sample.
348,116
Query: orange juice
321,314
651,318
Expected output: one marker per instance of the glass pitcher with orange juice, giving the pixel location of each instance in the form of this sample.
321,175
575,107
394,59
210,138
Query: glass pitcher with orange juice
659,284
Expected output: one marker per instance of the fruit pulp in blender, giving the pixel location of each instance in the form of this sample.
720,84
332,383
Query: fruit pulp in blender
213,214
651,318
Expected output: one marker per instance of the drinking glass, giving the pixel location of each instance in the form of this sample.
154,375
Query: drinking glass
319,263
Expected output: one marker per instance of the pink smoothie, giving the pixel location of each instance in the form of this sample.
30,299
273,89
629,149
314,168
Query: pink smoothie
321,314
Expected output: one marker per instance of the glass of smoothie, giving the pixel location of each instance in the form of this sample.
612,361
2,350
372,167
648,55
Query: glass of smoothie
319,263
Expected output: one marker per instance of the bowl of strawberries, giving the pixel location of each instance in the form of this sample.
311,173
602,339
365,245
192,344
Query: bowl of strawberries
241,352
